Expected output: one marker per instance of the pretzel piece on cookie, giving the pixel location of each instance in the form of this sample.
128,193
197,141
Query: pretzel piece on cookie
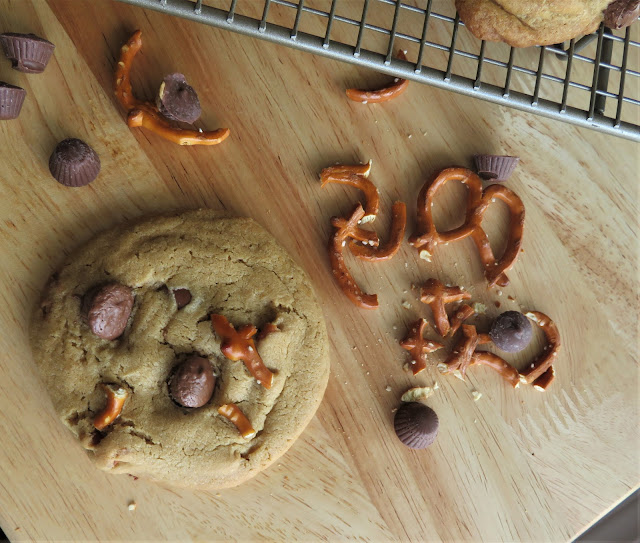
418,346
392,246
233,413
348,229
146,114
116,396
239,345
380,95
436,295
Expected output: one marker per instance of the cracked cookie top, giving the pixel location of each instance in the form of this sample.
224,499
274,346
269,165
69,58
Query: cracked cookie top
229,266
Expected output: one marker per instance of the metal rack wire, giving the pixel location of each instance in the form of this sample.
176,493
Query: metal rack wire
592,82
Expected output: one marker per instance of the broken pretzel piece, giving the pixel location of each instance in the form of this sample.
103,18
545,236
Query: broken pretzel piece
146,114
436,295
493,361
380,95
461,314
418,346
232,412
344,230
542,366
355,176
116,396
239,345
389,249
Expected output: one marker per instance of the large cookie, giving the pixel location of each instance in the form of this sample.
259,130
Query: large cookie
522,23
232,267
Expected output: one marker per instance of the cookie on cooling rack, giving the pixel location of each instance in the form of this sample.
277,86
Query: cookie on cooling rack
523,23
136,371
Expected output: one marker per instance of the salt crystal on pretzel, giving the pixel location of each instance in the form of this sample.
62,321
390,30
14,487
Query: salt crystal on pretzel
418,346
239,345
435,294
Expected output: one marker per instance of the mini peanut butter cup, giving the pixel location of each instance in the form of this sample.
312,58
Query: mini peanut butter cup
621,14
495,167
73,163
177,100
416,425
11,100
28,53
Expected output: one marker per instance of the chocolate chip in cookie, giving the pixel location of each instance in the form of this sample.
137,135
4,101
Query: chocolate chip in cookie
183,297
621,14
108,309
192,382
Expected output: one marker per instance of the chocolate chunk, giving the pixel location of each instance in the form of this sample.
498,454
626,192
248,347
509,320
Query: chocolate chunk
11,100
416,425
192,382
511,332
495,167
28,53
177,100
621,13
183,297
73,163
108,310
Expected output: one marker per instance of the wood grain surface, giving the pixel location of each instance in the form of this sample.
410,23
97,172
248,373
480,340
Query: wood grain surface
515,465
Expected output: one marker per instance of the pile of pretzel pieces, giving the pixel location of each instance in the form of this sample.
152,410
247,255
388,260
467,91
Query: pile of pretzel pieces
365,244
540,373
146,114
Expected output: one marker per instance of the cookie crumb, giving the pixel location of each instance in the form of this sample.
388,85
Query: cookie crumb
132,506
387,388
406,304
476,395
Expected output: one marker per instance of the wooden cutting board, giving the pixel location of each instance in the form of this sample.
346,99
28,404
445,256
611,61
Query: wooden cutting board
515,465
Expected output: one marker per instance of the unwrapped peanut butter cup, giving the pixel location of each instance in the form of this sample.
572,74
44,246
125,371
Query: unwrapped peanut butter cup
495,167
73,163
177,100
28,53
416,425
11,100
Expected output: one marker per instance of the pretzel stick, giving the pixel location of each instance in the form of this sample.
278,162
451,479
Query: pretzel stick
460,359
344,229
435,294
494,270
355,176
507,371
543,363
418,346
462,314
380,95
239,345
146,114
389,249
232,412
116,396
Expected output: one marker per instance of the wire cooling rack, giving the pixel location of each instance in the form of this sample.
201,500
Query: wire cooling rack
593,81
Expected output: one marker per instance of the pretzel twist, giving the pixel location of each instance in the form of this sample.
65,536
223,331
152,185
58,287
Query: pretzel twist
355,176
146,114
239,345
387,251
427,238
380,95
345,229
436,295
418,346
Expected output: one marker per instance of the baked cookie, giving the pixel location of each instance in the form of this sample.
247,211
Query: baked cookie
522,23
128,317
